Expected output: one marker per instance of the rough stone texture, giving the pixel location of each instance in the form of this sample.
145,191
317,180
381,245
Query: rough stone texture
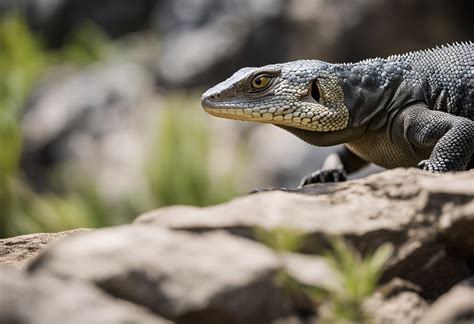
42,299
456,306
405,209
181,276
18,251
202,265
396,302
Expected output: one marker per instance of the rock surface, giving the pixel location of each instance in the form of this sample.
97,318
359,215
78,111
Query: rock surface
17,252
181,276
456,306
43,299
201,265
396,302
406,209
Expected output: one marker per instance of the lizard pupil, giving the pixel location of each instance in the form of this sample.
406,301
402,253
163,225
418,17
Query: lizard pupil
258,81
315,93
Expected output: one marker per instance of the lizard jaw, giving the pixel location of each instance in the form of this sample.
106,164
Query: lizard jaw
269,116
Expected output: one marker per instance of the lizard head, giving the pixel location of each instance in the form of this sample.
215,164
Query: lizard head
298,94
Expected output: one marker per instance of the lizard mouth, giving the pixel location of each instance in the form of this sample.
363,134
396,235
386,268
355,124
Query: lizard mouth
248,114
286,116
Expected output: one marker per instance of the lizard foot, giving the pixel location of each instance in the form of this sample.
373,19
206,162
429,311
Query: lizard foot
428,165
323,176
257,190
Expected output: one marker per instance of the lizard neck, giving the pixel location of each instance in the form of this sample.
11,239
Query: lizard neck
326,138
374,89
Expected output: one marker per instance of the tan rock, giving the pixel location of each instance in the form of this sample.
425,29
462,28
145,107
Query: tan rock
18,251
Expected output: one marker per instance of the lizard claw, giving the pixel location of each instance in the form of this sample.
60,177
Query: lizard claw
427,165
323,176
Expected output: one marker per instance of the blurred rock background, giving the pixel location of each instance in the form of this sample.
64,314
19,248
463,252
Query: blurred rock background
99,100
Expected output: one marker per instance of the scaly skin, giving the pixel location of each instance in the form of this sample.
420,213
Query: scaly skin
415,109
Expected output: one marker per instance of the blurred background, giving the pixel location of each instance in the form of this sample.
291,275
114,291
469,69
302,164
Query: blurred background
99,99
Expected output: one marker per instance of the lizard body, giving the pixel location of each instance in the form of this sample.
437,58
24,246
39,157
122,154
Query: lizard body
415,109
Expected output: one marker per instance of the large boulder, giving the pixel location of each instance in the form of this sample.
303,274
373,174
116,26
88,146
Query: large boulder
78,118
403,207
201,265
185,277
44,299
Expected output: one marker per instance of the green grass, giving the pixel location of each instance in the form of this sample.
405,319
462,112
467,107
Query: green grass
281,239
356,276
23,60
177,166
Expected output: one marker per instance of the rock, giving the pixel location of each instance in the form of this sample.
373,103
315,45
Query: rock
43,299
183,277
204,41
58,19
406,307
456,306
405,209
396,302
201,265
18,251
79,118
309,270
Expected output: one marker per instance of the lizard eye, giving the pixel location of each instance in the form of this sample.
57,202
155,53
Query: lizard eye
316,91
260,82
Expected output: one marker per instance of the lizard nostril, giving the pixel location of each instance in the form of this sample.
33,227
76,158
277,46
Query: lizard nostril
212,97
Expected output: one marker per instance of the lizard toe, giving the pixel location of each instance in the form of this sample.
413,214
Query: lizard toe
323,176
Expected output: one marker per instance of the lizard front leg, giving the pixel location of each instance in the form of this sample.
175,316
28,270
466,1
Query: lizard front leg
450,138
335,168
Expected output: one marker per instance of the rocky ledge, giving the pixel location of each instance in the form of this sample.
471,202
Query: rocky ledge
207,265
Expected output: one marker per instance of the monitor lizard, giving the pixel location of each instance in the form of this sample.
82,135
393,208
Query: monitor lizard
409,110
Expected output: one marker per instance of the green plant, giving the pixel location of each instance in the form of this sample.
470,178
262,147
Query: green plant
178,169
281,238
177,166
23,60
357,278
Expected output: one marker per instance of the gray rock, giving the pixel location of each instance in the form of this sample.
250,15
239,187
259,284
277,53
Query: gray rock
184,277
17,252
204,41
79,118
57,19
454,307
405,209
43,299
